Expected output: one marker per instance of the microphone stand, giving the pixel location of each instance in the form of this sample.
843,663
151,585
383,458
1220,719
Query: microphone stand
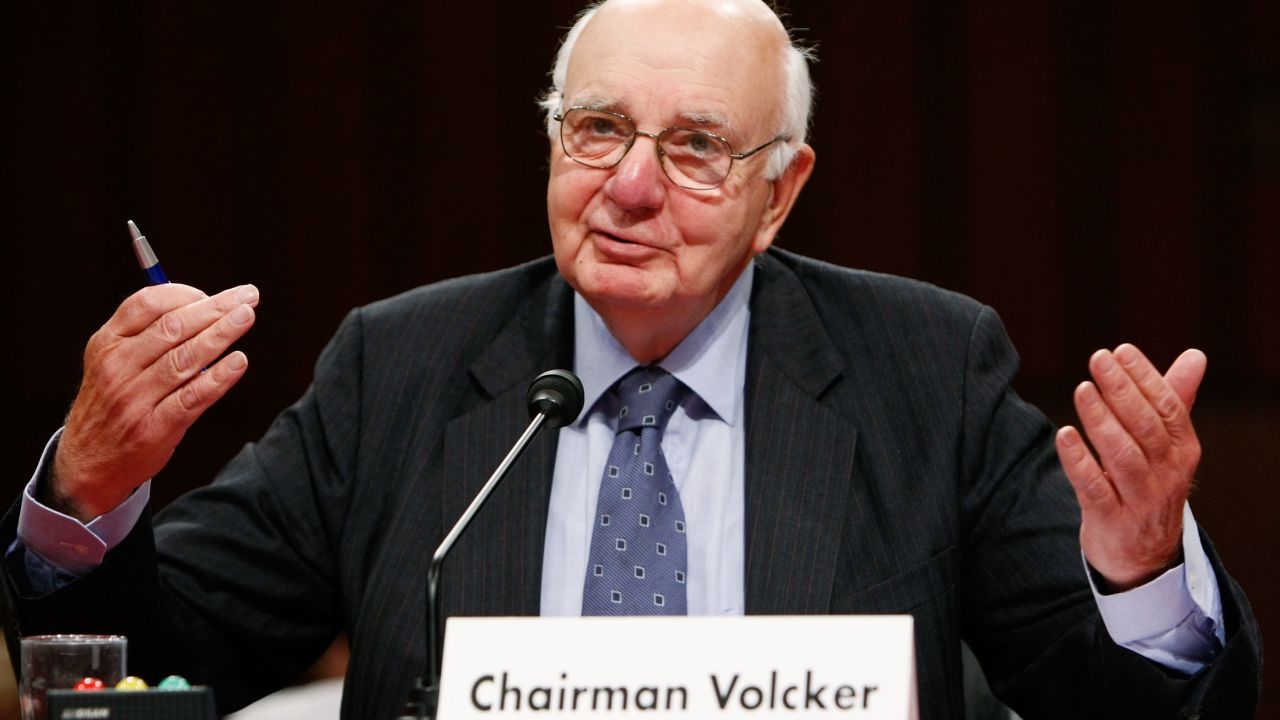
546,401
425,696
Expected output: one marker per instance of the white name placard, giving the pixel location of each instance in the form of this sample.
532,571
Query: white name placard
856,666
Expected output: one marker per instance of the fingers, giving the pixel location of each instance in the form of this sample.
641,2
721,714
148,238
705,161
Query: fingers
1153,408
180,324
1093,489
149,373
1122,457
1138,423
1132,491
146,305
163,335
1128,402
190,401
179,363
1161,396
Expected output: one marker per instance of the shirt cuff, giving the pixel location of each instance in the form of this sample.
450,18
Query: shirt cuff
63,541
1175,619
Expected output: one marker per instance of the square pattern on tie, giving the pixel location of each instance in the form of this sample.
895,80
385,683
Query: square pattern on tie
639,550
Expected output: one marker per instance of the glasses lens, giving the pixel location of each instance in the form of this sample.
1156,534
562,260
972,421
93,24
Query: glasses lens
695,160
595,138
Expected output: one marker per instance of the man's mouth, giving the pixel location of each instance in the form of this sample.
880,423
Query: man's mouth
620,248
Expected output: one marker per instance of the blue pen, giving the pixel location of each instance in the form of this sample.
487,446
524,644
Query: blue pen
147,259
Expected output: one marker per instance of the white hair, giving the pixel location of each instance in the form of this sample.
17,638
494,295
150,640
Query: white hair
795,108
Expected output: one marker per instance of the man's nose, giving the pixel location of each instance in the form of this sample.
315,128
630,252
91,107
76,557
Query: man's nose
637,182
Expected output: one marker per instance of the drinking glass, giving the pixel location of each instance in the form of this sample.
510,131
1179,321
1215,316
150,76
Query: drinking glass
58,662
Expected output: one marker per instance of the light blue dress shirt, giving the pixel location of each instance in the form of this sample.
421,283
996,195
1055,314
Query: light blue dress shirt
1174,620
704,439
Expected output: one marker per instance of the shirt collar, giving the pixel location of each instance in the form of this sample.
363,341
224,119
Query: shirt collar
708,360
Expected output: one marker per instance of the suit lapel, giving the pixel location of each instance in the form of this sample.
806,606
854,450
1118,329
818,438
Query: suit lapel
800,452
799,456
496,567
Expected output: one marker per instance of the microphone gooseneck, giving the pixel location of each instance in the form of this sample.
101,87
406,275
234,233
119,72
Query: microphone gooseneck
555,399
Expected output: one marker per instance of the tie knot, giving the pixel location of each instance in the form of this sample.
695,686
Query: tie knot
647,397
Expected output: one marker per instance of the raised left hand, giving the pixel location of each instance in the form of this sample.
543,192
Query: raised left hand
1132,493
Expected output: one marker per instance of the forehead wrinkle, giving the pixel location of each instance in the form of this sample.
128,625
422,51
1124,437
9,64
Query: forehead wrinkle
610,70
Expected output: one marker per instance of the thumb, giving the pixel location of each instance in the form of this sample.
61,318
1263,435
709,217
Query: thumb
1185,374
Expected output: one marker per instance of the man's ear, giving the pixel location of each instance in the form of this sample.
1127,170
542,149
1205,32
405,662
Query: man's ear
783,192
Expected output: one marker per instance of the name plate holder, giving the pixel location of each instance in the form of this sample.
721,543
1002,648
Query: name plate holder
796,666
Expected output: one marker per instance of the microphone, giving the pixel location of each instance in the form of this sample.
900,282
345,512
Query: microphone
558,395
555,399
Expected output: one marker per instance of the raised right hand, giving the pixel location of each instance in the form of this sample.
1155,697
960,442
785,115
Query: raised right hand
147,377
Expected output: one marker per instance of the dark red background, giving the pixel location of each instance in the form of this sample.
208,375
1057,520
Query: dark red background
1097,171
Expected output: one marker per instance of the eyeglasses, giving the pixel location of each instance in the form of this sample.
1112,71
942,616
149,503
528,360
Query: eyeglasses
692,159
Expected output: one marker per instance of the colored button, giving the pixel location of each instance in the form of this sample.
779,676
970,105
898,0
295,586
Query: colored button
89,683
174,682
132,682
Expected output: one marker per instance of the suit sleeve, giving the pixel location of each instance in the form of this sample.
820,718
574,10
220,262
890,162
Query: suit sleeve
235,584
1029,614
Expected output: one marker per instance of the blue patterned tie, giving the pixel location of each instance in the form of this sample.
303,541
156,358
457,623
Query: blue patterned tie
639,552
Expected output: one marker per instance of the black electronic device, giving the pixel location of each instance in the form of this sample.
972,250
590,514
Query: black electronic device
194,703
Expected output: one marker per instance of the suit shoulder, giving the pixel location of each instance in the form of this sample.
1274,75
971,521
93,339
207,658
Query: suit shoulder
446,323
880,296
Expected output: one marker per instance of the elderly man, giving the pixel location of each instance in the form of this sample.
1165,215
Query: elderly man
813,439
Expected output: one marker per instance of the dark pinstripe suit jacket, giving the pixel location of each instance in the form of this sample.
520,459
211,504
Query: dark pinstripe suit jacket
890,468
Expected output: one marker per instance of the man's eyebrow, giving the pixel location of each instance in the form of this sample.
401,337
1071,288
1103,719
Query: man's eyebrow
702,119
707,120
596,102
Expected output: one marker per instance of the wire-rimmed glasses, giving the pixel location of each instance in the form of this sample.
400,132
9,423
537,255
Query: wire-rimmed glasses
692,159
